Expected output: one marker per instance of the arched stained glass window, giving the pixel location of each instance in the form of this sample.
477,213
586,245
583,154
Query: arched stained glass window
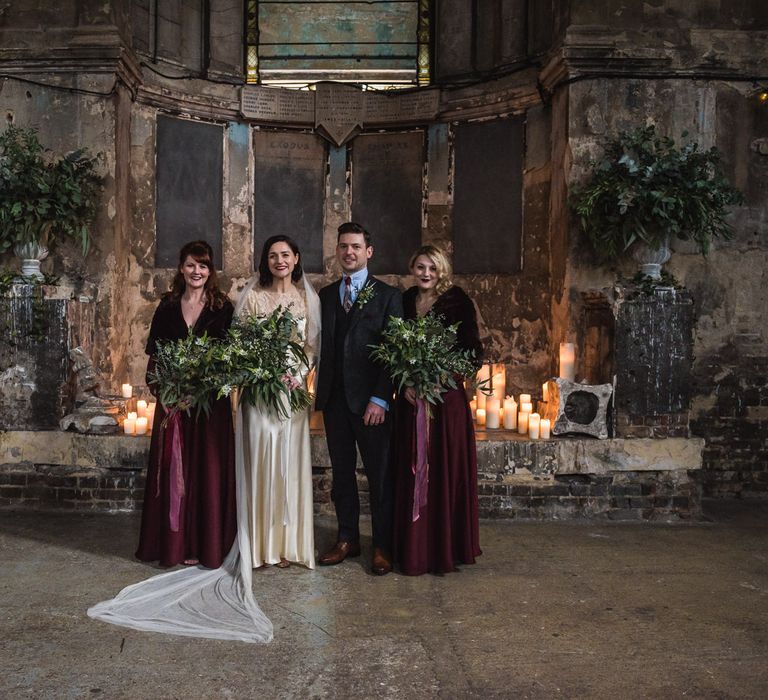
378,43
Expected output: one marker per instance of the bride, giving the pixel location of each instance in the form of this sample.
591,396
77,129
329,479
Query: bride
274,492
273,455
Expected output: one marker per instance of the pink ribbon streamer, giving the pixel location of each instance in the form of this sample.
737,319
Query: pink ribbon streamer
420,466
175,468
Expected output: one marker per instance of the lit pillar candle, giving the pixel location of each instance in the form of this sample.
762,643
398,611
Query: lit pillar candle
481,417
522,421
482,375
473,407
533,426
141,408
510,413
499,381
524,398
127,391
129,426
544,392
544,428
141,425
492,409
567,362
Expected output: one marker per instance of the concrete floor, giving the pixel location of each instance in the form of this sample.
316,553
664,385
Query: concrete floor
556,609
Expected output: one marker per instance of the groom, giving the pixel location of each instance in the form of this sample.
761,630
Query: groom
354,395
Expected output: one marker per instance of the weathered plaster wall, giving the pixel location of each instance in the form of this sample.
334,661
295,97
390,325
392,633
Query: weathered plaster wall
637,43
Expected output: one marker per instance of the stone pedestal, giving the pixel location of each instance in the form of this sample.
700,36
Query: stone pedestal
39,325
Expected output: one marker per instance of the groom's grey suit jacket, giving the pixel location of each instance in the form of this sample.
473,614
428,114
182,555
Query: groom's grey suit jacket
362,378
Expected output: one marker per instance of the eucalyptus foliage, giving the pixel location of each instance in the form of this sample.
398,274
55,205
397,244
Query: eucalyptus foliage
646,189
257,354
253,358
422,353
186,373
42,197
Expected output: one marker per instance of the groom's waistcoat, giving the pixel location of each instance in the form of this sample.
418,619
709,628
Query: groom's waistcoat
343,319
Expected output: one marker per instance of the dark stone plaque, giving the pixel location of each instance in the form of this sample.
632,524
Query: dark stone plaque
189,187
488,187
289,187
387,195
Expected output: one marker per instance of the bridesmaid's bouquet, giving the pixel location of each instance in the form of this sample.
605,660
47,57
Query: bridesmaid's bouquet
185,374
422,353
258,353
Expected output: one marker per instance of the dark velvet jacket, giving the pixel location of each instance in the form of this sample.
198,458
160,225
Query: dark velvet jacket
452,306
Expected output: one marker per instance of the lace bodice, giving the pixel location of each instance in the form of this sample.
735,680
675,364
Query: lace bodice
262,302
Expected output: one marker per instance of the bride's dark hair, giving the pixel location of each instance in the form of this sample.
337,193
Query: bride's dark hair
265,276
201,252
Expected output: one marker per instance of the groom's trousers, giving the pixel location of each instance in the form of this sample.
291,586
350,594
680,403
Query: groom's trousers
344,432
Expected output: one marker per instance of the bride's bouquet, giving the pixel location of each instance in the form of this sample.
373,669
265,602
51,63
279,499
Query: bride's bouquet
422,353
257,355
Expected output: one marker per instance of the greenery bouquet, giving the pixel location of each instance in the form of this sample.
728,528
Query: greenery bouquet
422,353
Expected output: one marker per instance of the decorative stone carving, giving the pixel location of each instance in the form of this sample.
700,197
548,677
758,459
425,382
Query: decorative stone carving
577,408
93,413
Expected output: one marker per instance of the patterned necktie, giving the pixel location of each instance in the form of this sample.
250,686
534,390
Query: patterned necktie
347,303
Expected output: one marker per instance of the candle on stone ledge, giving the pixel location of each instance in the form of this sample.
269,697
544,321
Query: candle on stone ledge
510,413
525,398
141,408
544,392
567,362
522,422
492,417
129,426
499,380
141,425
481,417
544,428
127,391
533,426
483,374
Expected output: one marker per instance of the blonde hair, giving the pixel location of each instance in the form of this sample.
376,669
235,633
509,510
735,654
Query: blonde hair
440,261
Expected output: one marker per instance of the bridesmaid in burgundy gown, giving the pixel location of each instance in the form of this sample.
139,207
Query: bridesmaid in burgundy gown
446,533
207,514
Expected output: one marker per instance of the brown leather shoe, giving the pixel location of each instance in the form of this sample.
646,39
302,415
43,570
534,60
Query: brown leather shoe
340,551
382,563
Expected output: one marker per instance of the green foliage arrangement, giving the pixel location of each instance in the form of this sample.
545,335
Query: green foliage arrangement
253,358
185,373
43,198
257,354
422,353
647,189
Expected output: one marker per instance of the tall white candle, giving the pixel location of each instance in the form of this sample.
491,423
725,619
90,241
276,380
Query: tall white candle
525,398
127,391
499,380
510,413
129,426
492,413
533,426
522,422
567,362
483,374
141,408
544,428
141,425
481,417
544,392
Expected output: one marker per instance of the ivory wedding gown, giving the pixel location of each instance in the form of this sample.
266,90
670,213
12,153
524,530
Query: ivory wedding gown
219,603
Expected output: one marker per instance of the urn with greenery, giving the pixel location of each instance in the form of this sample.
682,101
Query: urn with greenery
646,190
43,197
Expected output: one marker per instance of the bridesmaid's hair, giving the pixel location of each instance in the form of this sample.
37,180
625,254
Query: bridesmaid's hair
201,252
441,263
265,276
